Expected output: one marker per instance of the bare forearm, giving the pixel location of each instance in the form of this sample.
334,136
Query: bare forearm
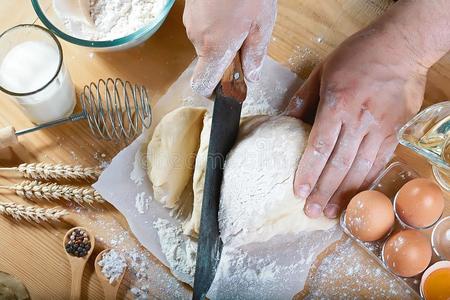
423,26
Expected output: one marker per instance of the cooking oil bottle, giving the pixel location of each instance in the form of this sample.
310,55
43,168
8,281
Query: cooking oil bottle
428,134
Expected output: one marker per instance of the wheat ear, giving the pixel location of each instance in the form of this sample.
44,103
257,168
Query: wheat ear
46,171
53,191
31,213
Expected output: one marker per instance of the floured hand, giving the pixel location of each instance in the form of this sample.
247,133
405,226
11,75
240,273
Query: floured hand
365,91
218,29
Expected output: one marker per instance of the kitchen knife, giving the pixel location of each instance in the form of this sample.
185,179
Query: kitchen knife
230,93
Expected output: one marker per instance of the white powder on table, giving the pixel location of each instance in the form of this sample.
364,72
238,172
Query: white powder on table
142,202
348,274
114,19
181,252
113,265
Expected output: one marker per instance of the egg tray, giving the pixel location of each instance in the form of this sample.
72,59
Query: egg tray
389,182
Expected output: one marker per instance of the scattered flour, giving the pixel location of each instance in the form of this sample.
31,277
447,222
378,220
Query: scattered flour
101,158
114,18
179,250
303,61
147,278
142,202
113,265
274,270
319,39
260,101
356,275
138,174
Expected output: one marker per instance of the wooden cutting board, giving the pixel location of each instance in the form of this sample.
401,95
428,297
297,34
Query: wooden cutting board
305,33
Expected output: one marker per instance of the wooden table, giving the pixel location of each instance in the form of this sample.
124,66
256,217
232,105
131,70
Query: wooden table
306,31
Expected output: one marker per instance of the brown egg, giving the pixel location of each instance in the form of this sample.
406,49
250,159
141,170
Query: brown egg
419,203
369,216
407,253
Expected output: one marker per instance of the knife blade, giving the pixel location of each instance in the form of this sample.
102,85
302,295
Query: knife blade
229,96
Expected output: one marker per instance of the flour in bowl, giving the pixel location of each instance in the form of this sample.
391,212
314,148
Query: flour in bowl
113,19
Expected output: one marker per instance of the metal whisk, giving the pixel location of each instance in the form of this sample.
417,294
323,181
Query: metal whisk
116,110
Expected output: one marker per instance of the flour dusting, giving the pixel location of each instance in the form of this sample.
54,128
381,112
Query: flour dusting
260,101
181,252
138,173
358,277
142,202
261,269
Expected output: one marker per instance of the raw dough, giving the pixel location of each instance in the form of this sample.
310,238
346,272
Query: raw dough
171,154
193,225
257,198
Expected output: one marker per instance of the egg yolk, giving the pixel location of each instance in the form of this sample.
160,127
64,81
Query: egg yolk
437,285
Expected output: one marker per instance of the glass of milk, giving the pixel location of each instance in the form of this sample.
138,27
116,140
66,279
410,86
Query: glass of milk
33,73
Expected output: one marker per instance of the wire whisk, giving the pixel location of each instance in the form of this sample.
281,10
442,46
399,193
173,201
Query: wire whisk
115,110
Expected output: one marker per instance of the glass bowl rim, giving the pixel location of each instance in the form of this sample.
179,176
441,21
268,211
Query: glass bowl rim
60,63
102,44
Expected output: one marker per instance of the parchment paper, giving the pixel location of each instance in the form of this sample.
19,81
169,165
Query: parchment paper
273,270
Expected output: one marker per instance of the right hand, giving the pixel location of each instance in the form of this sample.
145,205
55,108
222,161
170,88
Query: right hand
219,29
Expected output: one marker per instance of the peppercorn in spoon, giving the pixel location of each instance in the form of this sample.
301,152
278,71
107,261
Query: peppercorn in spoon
78,244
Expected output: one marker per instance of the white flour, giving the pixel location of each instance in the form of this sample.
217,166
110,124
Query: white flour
142,201
358,277
114,18
113,265
138,173
181,252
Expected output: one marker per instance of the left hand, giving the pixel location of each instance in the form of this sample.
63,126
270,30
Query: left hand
365,90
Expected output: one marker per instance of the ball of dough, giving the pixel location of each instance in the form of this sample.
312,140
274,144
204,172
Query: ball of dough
257,197
171,154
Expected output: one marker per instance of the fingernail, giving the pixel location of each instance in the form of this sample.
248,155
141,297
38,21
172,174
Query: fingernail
331,211
313,210
303,191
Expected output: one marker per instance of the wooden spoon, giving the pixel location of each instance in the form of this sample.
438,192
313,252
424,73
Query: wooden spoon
110,289
77,264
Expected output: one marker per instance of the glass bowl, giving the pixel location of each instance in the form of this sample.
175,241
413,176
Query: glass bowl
49,18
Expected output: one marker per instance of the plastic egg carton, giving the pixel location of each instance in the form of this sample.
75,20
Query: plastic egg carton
389,182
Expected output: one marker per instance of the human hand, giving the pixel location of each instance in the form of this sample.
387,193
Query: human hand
366,90
219,29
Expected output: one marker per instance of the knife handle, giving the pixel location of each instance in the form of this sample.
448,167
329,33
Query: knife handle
233,83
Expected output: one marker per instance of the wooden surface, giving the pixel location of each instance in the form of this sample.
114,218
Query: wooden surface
306,31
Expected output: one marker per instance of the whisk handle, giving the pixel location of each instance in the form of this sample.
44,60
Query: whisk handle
8,137
72,118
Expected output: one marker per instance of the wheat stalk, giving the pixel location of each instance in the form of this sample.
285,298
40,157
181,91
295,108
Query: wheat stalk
31,213
46,171
53,191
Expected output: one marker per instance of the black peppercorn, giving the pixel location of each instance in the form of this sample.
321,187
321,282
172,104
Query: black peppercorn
78,244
